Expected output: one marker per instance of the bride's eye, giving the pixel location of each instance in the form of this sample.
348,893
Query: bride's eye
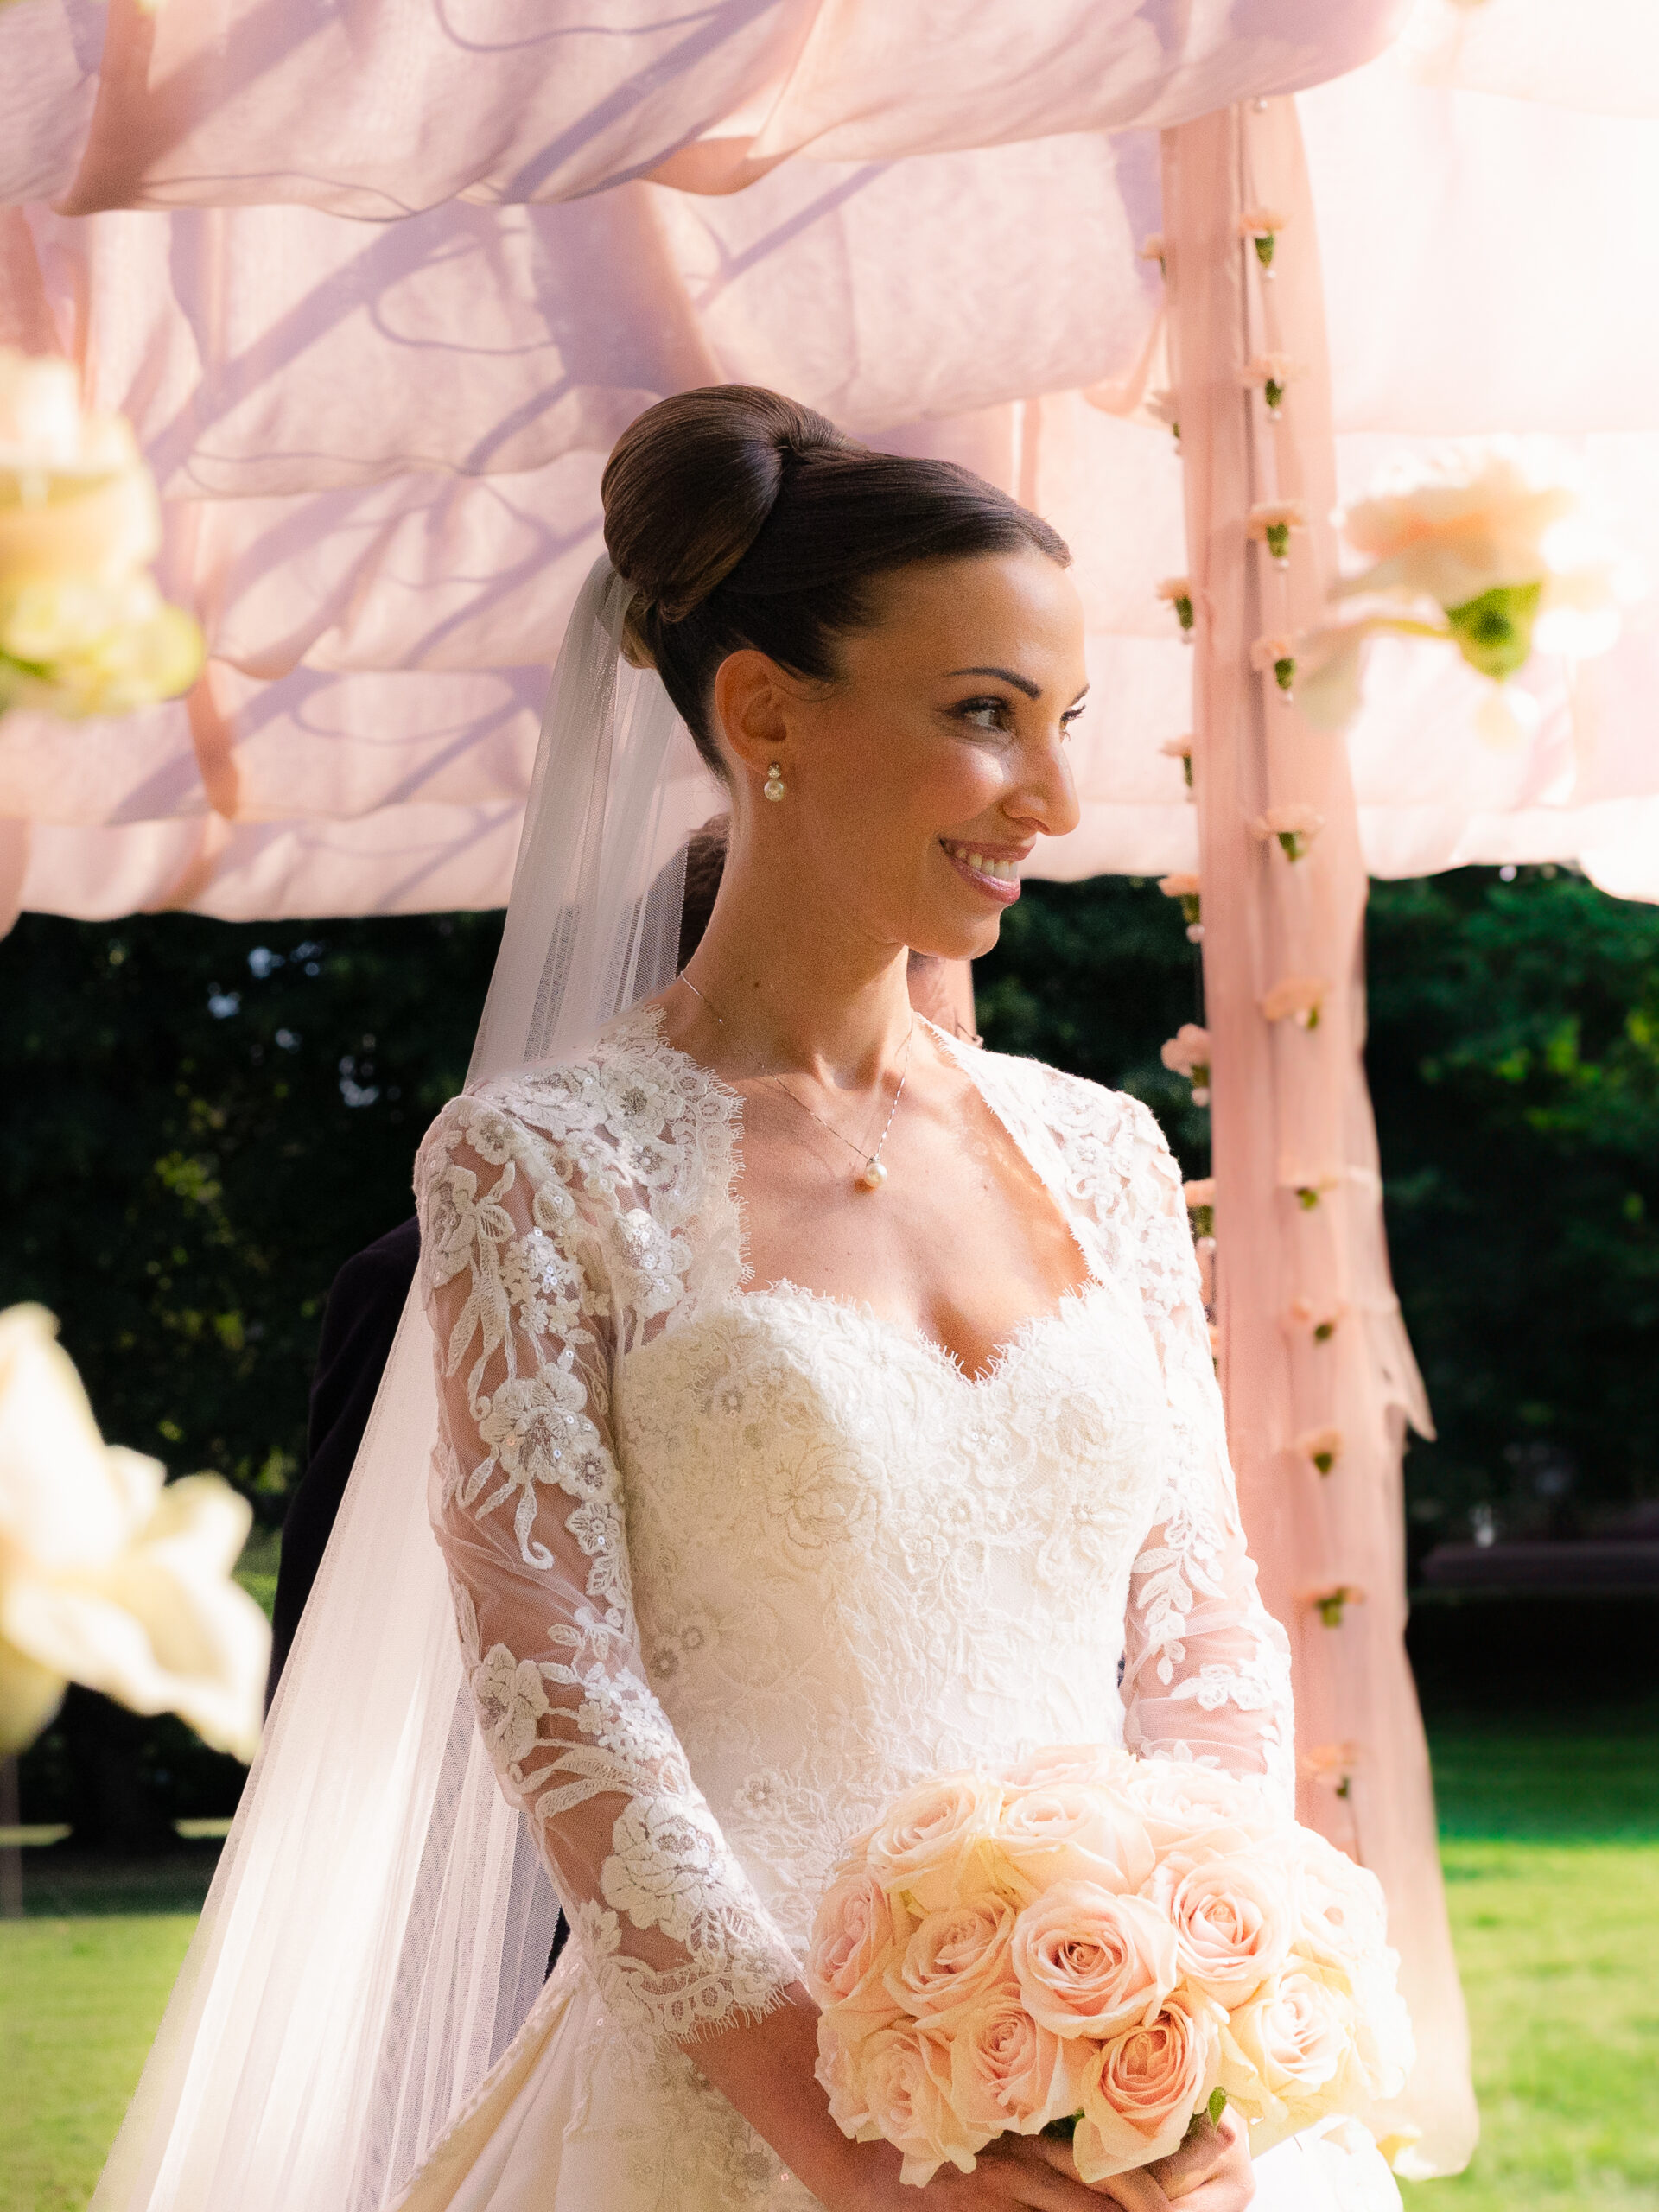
1071,716
986,714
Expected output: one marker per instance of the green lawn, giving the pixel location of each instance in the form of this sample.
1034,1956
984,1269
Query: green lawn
1551,1847
79,2002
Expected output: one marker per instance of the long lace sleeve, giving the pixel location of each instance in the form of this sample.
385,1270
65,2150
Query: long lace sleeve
1206,1670
533,1244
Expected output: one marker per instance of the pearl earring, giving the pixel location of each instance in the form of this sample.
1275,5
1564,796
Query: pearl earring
774,785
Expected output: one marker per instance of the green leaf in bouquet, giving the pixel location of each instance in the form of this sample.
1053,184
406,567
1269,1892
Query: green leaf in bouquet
1061,2130
1494,632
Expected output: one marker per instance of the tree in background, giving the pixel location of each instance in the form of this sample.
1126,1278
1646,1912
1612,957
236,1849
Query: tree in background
203,1120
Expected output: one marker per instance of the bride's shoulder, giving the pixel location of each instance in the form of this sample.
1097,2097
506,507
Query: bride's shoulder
624,1095
1075,1109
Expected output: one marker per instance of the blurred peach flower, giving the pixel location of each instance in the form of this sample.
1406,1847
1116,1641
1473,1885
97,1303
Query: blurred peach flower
1320,1447
1177,592
1270,524
1272,372
1295,827
1298,999
1187,1052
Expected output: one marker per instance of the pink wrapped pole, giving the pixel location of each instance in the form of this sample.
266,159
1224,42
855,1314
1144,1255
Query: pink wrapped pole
1317,1375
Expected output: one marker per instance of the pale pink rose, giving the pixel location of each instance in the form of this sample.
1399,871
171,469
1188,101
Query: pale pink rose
954,1957
1138,2092
1234,1919
1341,1910
929,1842
1293,2039
1091,1962
857,1933
1106,1764
1179,1802
840,2076
903,2073
1009,2074
1074,1831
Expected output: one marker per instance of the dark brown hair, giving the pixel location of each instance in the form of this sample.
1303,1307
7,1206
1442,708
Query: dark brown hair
743,518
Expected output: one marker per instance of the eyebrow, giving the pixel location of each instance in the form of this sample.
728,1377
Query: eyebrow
1020,683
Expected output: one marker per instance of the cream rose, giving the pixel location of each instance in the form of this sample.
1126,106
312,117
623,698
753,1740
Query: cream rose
1105,1764
937,1833
904,2073
1138,2092
840,2073
857,1934
1073,1832
1009,2074
954,1957
1342,1915
83,628
1294,2038
1178,1801
1233,1918
1089,1962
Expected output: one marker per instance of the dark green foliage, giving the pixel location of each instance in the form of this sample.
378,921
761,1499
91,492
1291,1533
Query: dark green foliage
1093,977
201,1121
1515,1068
181,1184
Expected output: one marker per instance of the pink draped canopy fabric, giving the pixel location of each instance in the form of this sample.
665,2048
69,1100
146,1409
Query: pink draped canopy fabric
378,285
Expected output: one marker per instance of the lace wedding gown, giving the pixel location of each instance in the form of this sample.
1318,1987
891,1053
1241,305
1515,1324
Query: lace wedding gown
734,1566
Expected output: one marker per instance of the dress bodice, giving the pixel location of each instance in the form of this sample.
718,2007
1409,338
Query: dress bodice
853,1566
732,1566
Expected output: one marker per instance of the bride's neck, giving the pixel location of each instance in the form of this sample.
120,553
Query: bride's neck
792,983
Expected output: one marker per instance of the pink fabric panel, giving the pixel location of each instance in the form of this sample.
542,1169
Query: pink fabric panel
264,351
380,110
49,53
1490,264
1290,1111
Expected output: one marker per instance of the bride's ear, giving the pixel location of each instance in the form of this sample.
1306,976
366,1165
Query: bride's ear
753,701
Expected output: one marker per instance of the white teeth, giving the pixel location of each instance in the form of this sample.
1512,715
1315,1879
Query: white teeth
1004,871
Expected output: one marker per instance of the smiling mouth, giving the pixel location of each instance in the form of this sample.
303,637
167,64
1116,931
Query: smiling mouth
982,863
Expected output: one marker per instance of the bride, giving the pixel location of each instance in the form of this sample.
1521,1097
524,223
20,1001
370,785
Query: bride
825,1404
822,1403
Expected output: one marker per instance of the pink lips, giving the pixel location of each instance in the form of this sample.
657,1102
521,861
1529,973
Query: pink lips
1003,889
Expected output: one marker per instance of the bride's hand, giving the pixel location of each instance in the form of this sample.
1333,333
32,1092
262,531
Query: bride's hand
1017,2173
1209,2173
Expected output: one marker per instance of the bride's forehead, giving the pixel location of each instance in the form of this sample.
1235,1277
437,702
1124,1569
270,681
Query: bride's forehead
975,612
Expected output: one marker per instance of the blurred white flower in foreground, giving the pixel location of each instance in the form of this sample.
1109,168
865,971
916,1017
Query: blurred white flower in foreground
110,1576
83,628
1486,544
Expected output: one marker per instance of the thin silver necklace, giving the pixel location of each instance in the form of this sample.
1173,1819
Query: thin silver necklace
872,1174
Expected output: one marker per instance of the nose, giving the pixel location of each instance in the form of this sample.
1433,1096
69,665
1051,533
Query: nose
1045,796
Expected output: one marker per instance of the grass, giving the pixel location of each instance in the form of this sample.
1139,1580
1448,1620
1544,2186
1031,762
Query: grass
1551,1850
79,2000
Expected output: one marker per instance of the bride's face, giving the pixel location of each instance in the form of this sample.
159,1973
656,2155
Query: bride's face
917,780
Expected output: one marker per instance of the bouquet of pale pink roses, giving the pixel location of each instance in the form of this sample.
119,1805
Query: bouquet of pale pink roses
1102,1946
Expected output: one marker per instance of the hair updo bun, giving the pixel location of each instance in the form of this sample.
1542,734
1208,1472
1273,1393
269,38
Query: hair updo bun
742,518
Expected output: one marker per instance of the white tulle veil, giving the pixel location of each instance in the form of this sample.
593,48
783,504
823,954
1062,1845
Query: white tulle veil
379,1922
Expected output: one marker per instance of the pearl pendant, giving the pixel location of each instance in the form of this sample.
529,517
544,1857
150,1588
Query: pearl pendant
874,1175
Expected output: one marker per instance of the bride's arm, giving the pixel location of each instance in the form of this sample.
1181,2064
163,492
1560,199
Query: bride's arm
1206,1673
527,1505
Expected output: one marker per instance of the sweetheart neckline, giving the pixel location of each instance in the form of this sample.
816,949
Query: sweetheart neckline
1072,1305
